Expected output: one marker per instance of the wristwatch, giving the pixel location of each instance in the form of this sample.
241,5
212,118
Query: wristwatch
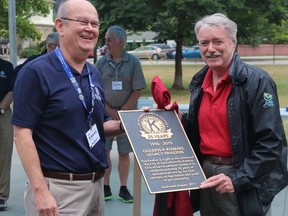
2,111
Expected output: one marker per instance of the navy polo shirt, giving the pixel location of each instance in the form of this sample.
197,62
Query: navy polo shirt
46,102
6,78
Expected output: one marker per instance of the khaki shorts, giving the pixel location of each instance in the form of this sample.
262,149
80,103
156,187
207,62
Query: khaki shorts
123,144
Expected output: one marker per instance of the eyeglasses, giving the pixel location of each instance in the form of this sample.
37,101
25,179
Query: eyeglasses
83,21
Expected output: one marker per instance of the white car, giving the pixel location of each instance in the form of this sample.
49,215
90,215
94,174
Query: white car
152,51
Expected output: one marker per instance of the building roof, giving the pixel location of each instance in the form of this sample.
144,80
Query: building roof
40,20
138,37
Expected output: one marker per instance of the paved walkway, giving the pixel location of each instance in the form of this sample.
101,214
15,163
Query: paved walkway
113,207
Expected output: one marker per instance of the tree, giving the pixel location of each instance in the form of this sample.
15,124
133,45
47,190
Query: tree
256,19
174,20
24,10
133,15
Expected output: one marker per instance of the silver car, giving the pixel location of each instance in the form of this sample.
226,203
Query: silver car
146,52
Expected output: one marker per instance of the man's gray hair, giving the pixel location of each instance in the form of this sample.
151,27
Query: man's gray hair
118,33
53,38
218,19
63,10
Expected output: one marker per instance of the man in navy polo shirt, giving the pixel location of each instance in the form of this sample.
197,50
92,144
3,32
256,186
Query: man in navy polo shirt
6,130
52,41
60,120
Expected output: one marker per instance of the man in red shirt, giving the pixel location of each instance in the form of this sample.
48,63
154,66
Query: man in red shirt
235,127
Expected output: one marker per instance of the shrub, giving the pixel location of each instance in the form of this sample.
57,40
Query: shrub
27,52
33,50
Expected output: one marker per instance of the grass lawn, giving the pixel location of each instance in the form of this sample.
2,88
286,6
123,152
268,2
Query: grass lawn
166,73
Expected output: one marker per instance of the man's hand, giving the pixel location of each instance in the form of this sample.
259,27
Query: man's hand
146,108
221,183
175,107
114,114
46,203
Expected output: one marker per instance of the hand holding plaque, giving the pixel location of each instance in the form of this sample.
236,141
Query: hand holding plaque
161,147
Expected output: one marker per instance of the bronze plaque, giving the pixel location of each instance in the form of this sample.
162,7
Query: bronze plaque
162,150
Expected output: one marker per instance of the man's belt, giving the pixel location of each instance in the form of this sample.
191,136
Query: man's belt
94,176
219,160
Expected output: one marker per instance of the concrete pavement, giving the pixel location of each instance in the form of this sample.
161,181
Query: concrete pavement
113,207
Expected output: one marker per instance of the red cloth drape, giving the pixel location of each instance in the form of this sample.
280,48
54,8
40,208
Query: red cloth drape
178,203
161,95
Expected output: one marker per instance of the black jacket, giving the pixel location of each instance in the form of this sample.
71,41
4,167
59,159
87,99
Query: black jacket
259,147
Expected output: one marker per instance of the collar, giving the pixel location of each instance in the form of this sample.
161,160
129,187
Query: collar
124,58
208,78
58,67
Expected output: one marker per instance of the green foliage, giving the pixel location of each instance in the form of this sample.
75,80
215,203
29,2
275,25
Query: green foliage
33,50
144,42
258,21
134,15
254,29
27,52
25,29
134,45
24,10
174,20
277,34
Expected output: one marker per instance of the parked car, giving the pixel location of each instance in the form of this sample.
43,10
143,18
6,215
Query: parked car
153,52
168,49
193,52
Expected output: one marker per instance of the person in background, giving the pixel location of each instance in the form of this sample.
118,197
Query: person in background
60,122
123,81
235,127
52,41
6,129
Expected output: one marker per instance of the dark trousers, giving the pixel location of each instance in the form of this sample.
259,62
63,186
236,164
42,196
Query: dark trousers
6,148
213,203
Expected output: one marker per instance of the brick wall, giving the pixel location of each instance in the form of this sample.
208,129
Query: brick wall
263,49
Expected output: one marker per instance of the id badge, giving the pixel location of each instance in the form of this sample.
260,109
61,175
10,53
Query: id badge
117,85
92,136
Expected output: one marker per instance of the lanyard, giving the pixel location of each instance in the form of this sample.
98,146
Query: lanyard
76,85
116,68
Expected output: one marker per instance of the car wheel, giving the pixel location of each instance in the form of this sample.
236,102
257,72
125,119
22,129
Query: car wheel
155,57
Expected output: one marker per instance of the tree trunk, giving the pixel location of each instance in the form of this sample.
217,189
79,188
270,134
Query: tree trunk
178,84
95,55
